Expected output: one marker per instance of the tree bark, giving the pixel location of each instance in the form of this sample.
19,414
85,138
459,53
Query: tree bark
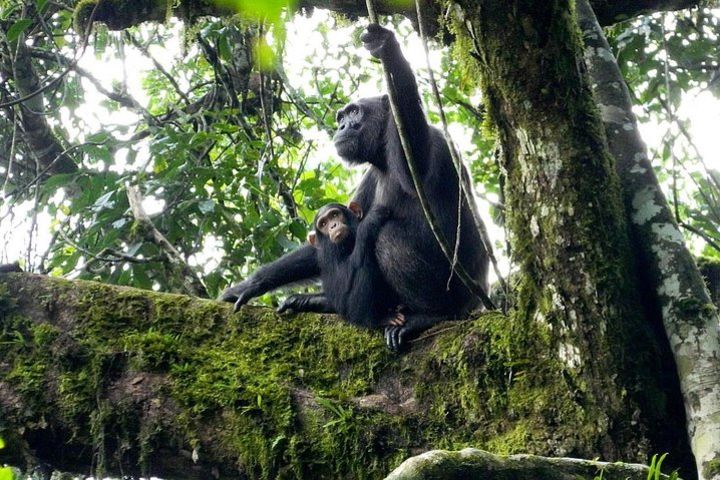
564,211
42,142
710,270
473,463
666,266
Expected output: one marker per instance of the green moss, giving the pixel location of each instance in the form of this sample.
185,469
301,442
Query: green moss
239,373
278,397
513,440
711,469
119,14
569,237
693,310
81,16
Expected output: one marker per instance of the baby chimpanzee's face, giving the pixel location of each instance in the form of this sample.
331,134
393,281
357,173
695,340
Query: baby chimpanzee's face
333,223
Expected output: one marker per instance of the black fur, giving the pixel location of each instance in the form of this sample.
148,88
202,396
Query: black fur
407,253
353,285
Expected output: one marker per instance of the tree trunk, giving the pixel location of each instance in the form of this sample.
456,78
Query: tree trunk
666,267
565,214
46,148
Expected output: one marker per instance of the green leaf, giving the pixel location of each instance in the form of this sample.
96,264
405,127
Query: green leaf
6,473
224,49
104,201
17,28
2,443
141,278
298,230
7,10
259,9
401,4
263,55
56,181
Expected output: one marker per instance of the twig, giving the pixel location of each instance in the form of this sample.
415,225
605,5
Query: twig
62,74
433,333
159,66
700,234
125,100
115,256
709,195
459,167
300,102
191,282
691,142
39,175
478,114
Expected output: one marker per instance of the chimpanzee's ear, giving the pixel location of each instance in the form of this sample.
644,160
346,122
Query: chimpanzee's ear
356,209
312,238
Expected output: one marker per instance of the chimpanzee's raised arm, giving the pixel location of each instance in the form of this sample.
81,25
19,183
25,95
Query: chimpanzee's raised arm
382,44
364,194
296,266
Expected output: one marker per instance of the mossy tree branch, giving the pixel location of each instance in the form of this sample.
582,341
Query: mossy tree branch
121,14
473,463
46,148
143,382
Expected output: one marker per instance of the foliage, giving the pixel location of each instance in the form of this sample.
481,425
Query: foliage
655,468
669,60
233,160
6,473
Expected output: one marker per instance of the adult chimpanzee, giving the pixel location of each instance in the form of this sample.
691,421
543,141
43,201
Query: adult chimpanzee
406,249
353,285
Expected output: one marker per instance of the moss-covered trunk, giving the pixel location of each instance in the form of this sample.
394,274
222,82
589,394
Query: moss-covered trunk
566,219
116,379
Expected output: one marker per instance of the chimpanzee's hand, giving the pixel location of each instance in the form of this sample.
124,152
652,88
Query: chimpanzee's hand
293,303
10,268
379,41
396,337
241,293
395,319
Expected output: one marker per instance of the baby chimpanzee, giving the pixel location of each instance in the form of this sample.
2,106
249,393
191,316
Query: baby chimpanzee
353,285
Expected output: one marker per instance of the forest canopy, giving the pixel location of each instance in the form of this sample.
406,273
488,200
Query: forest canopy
232,181
176,147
